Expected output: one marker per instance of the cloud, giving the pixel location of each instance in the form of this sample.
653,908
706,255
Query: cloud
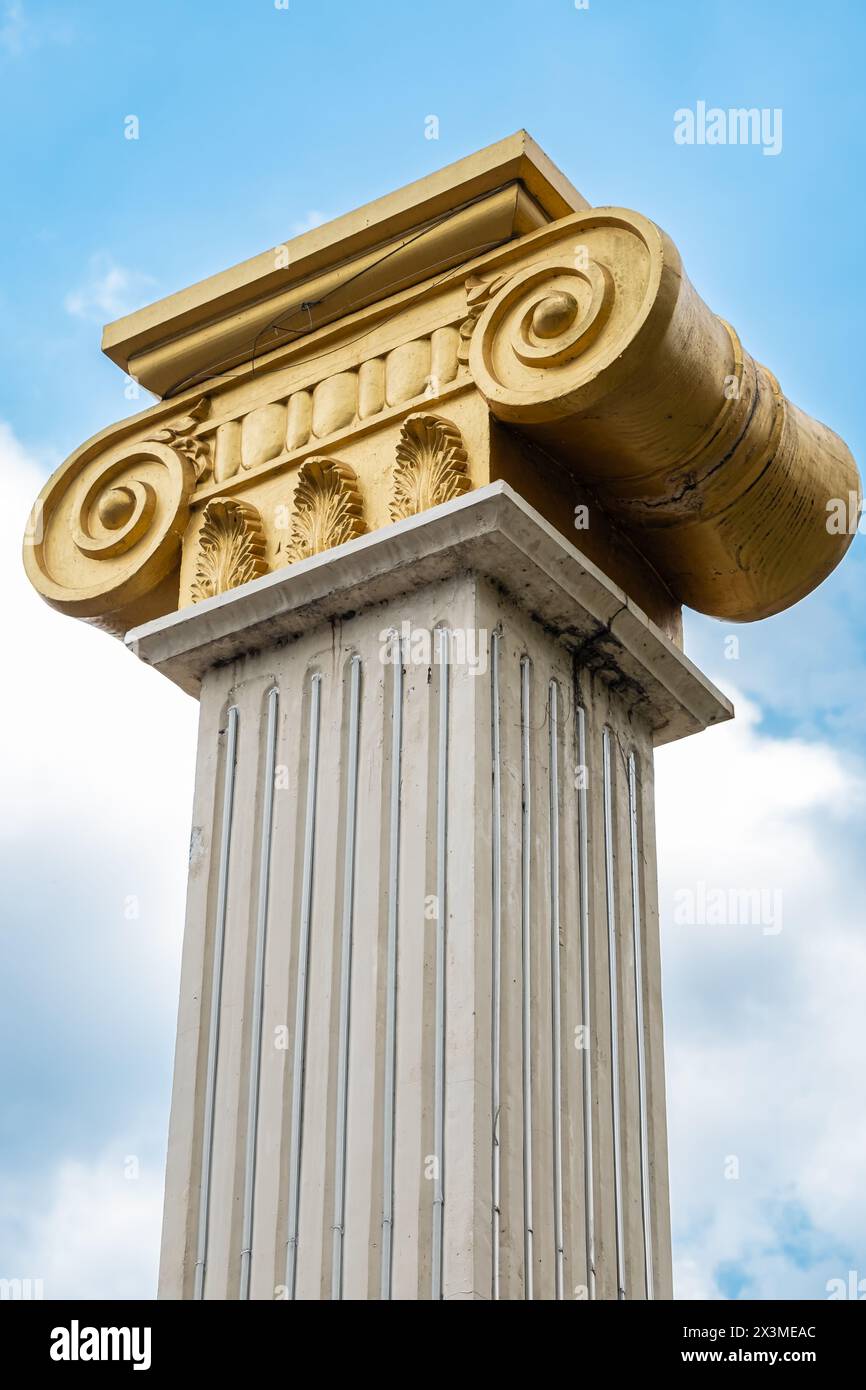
311,219
763,1031
84,719
19,32
98,754
13,28
89,1229
109,291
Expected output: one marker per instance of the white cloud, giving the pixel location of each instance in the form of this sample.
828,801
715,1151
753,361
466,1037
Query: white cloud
92,734
764,1032
109,291
20,32
88,1229
98,755
13,27
311,219
98,749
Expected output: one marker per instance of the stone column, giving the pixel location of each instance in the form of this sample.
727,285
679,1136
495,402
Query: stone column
423,907
414,519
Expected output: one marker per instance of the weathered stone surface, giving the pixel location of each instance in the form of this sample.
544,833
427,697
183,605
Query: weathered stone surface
537,635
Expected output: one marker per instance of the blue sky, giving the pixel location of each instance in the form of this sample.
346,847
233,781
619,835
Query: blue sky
256,122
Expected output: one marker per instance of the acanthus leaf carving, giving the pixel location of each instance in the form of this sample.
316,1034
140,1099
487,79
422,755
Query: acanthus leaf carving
182,437
431,465
231,548
328,508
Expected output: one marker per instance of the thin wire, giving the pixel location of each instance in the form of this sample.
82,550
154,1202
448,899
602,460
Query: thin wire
249,369
365,270
423,231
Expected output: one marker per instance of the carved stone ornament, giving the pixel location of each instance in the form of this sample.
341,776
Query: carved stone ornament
430,467
231,548
580,335
603,353
479,292
181,437
105,533
328,508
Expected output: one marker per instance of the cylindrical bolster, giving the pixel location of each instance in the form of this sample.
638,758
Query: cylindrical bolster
604,354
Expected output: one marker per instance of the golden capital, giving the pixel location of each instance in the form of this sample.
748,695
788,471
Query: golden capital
481,324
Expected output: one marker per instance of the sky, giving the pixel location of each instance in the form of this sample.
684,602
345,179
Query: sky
256,120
